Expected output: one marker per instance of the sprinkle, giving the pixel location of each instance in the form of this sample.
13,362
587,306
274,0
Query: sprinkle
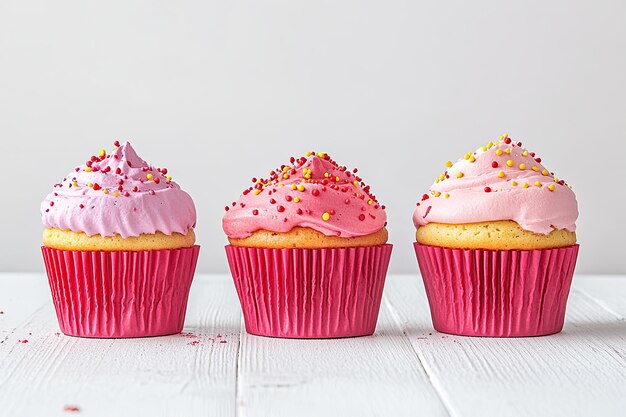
361,216
296,200
118,170
534,168
255,212
102,152
315,192
501,174
106,191
544,172
472,159
448,164
537,184
522,166
514,183
285,176
494,164
370,202
300,187
525,185
280,209
499,152
551,187
507,140
257,191
81,206
116,194
509,163
293,186
507,151
446,195
157,180
116,143
149,176
152,192
90,185
96,186
88,169
326,216
525,153
356,183
75,184
487,189
467,155
169,178
459,174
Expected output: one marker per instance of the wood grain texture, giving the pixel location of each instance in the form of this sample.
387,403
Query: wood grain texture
405,368
580,372
189,374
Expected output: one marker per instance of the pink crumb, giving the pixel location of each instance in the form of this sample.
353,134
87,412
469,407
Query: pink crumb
71,409
193,343
223,341
23,341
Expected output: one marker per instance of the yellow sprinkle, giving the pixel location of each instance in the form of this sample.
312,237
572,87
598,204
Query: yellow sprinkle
336,179
370,202
88,169
467,155
525,153
483,148
285,169
448,164
442,177
446,195
472,159
75,184
149,176
257,191
285,176
356,183
105,190
525,185
90,185
459,174
537,184
522,166
436,180
551,187
297,199
102,152
544,172
490,145
499,152
307,176
169,178
534,168
507,151
300,187
293,186
514,183
326,216
509,163
556,179
321,154
501,174
326,174
308,154
437,194
116,194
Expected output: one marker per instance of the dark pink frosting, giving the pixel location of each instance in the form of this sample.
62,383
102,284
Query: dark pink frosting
314,192
118,194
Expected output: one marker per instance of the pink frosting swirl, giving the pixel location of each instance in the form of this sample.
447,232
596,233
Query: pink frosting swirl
118,194
501,181
313,192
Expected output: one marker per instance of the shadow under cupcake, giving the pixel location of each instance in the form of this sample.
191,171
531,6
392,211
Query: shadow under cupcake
308,251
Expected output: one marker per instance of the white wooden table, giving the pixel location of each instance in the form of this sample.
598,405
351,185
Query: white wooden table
404,369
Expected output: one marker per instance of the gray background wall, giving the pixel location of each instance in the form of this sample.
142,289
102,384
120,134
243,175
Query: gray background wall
220,91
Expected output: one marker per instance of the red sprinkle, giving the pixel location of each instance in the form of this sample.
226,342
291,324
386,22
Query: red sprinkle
157,180
254,212
361,216
494,164
299,211
81,206
272,201
226,208
280,209
96,186
315,192
51,203
116,143
487,189
118,170
425,197
288,197
507,140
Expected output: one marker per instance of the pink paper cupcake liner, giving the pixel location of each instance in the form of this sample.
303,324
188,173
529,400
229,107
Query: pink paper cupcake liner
120,293
509,293
310,293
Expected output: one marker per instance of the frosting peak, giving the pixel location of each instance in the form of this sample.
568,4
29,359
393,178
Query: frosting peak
118,193
312,191
499,181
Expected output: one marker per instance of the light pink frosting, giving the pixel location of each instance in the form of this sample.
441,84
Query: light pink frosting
488,189
332,200
112,194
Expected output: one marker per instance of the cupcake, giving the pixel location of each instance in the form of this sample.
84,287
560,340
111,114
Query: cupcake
119,248
308,251
496,244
